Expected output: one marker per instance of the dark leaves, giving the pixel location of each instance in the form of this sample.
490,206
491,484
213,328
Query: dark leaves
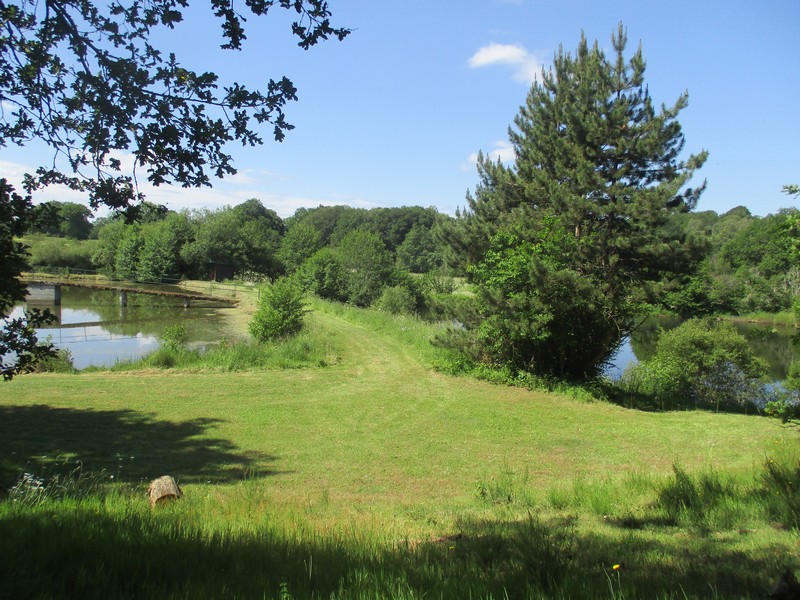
19,348
88,81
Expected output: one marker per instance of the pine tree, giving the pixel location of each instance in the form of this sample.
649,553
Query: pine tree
562,243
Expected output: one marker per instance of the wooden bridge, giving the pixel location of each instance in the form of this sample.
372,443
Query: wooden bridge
48,291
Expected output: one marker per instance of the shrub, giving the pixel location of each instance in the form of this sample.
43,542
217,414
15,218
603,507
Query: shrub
397,300
786,403
367,265
323,275
796,310
701,363
280,312
784,408
61,362
60,252
170,357
174,336
434,283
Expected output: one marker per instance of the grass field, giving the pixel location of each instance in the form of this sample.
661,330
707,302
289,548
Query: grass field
376,476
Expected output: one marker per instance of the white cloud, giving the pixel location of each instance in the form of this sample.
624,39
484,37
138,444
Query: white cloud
502,151
510,54
354,201
526,66
251,176
247,183
13,172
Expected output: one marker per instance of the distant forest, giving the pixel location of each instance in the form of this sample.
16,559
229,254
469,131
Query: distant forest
739,263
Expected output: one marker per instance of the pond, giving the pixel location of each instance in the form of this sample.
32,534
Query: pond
99,332
777,345
93,326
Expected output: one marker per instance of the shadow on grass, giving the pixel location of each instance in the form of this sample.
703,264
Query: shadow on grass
79,551
129,445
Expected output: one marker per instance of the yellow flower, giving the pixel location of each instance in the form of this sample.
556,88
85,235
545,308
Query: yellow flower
617,567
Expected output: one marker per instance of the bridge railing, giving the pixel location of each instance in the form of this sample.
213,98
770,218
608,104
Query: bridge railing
226,289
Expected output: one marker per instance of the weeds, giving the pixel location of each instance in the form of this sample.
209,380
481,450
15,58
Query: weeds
62,362
697,501
310,348
73,483
781,491
506,488
193,550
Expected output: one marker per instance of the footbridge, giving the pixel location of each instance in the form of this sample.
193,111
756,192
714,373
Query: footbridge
48,291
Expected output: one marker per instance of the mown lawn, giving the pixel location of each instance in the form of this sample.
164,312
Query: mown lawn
365,462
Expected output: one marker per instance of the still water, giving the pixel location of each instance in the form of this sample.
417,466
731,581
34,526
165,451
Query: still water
93,326
779,346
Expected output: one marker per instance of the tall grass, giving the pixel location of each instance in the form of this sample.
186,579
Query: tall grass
312,347
108,544
784,318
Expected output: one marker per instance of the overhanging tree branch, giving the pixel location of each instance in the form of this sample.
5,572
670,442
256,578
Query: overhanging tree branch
85,79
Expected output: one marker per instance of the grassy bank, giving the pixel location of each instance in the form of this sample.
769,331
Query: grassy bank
375,476
780,319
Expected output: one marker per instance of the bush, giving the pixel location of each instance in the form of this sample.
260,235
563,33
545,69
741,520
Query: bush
60,252
433,283
60,363
397,300
280,312
796,310
174,336
701,363
367,265
786,403
323,275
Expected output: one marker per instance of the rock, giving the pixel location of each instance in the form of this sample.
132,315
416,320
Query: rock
787,587
164,489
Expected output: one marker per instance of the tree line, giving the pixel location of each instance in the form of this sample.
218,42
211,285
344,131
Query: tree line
329,244
735,263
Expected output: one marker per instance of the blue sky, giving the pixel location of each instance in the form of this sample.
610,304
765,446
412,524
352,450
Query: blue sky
395,113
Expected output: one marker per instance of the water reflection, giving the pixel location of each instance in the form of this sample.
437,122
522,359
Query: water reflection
93,326
777,345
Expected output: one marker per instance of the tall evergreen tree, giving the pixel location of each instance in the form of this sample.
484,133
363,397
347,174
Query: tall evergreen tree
562,243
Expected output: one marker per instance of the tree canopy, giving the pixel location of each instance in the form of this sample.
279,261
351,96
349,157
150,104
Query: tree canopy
87,79
65,219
